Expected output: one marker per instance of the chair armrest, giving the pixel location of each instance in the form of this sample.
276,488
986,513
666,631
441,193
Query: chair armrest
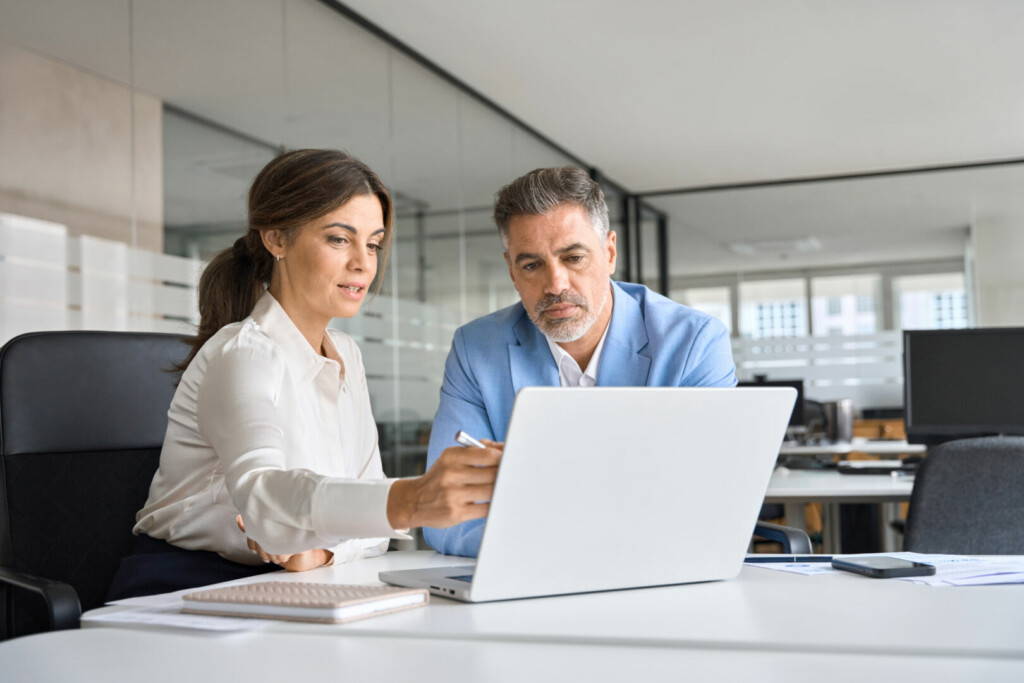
793,540
62,605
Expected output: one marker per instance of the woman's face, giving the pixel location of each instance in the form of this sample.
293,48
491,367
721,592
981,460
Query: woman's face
329,263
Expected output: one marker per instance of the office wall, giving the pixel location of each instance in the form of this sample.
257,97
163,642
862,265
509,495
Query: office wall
997,243
80,150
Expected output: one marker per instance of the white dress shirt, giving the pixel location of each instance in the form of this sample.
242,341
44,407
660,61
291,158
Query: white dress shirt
569,373
263,426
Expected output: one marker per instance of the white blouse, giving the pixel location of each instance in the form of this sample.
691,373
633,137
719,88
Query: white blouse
263,426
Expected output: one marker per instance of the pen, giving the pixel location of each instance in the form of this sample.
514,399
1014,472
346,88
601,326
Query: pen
788,558
464,439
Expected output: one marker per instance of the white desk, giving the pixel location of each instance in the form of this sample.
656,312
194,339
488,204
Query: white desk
791,486
795,487
123,656
761,611
859,445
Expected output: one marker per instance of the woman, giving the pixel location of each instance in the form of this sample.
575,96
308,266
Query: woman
271,450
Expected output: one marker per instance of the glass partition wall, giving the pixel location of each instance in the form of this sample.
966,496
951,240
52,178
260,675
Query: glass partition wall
816,279
134,127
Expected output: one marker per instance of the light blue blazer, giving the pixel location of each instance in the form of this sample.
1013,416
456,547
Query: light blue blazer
652,341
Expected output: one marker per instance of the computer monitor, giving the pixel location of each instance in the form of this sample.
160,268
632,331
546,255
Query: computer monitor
796,418
959,383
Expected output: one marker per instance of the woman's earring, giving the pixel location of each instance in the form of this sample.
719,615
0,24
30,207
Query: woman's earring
278,257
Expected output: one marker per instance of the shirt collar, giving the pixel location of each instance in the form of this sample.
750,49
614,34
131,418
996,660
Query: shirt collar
562,356
271,317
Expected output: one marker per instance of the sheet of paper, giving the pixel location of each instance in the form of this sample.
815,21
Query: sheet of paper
989,579
950,570
160,601
176,619
804,568
165,600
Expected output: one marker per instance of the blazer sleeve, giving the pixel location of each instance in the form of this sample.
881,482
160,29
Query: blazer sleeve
461,407
709,362
285,510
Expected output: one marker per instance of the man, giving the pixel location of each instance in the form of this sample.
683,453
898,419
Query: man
574,325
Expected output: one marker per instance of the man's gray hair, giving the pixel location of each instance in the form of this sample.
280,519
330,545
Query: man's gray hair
543,189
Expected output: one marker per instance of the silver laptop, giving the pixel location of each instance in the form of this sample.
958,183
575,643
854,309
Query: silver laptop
606,488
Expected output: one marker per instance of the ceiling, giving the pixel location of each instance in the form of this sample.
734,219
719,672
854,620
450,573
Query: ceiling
873,220
670,94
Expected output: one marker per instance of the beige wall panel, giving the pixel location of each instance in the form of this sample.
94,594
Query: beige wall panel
66,137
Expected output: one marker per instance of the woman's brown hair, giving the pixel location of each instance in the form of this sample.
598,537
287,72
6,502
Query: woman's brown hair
295,188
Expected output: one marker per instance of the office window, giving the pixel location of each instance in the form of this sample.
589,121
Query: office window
845,304
930,302
711,300
773,308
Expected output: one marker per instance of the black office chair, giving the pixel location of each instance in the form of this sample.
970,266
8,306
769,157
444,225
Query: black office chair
793,540
968,499
82,420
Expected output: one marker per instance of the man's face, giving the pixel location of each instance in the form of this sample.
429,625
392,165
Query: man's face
561,268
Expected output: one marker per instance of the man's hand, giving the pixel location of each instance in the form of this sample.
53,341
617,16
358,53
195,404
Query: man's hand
299,562
457,488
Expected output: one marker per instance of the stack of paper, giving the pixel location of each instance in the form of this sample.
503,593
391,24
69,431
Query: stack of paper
950,570
965,570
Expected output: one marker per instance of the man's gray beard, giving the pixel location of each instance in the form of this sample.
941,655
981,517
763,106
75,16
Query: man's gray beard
565,332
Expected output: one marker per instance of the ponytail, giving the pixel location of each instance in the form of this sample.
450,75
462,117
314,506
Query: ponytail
230,286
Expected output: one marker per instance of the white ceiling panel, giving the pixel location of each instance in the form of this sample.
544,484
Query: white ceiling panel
669,94
894,218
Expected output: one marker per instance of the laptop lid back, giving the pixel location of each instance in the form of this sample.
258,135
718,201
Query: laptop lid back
606,487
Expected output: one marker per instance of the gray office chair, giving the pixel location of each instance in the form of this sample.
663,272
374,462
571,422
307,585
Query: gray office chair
82,420
969,499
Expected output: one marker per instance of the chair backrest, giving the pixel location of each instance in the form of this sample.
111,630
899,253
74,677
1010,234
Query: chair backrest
969,499
82,420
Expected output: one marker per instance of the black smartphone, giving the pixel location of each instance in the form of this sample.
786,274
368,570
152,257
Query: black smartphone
883,566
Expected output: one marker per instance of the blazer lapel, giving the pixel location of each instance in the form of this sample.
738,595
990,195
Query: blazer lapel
624,360
530,358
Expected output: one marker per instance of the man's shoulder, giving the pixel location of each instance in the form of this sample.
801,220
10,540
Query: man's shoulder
493,327
661,313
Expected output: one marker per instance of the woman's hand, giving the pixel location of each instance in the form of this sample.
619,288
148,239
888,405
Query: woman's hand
299,562
457,488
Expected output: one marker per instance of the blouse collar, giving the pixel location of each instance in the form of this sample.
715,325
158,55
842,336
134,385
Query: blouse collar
305,362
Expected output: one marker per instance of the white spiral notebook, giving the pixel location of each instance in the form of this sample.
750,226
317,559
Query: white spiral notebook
318,602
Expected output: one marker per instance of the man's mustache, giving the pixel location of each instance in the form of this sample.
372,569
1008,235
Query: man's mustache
563,298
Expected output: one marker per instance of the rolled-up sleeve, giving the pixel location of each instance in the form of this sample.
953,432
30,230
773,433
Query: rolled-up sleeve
285,510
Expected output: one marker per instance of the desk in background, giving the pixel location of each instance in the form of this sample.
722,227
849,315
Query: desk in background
831,491
793,488
858,445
